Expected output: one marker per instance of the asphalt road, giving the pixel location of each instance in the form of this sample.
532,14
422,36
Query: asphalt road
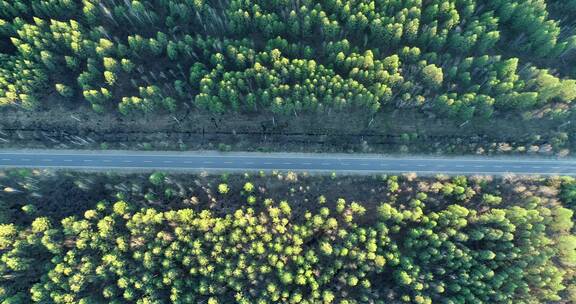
214,161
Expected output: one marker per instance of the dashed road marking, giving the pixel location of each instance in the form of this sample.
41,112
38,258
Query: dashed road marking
358,164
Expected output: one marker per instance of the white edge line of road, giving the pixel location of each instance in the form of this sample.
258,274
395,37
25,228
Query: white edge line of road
286,170
319,156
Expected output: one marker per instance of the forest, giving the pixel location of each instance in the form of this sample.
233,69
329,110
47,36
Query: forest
434,76
285,238
459,59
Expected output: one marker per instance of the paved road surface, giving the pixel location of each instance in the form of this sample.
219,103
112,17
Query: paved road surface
214,161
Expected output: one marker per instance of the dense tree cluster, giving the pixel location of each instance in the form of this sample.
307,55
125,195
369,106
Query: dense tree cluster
416,248
235,239
460,58
568,193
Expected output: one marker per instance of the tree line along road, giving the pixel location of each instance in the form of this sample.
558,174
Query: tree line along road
240,161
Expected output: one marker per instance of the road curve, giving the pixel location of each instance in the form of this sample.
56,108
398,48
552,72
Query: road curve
344,163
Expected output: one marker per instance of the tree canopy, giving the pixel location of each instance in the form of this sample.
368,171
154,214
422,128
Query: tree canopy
463,59
336,253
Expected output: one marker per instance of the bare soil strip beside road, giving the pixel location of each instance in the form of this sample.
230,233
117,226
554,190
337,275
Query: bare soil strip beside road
391,131
344,163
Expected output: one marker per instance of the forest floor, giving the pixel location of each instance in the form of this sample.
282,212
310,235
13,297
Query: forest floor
390,132
58,194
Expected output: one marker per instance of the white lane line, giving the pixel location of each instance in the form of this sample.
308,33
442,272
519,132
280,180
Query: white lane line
307,164
498,166
286,163
67,160
268,163
25,159
479,166
188,162
228,162
148,161
127,161
6,159
421,165
516,167
46,160
364,164
345,164
459,166
537,167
